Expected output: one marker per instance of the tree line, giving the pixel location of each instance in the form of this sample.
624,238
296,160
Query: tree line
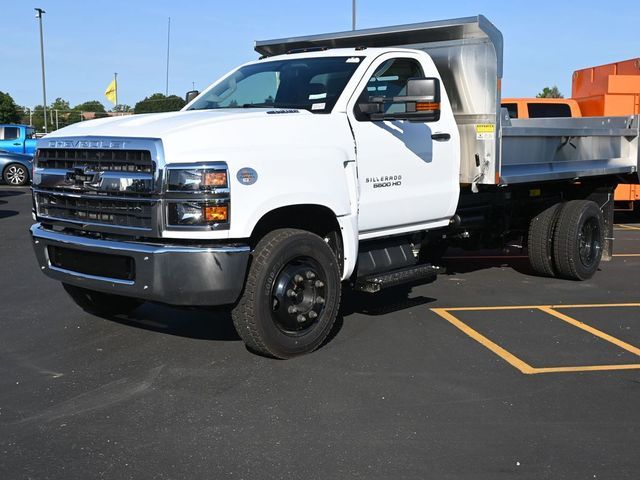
61,112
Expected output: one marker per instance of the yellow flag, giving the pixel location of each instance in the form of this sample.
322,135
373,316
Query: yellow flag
112,92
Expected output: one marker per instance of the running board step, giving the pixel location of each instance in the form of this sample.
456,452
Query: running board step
377,281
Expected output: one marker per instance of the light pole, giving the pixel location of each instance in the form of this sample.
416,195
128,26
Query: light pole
166,88
353,14
39,13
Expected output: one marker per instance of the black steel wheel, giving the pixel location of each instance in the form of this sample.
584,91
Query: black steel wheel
578,240
292,295
100,303
16,174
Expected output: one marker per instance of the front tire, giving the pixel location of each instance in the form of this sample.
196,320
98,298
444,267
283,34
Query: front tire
101,303
16,174
291,297
578,240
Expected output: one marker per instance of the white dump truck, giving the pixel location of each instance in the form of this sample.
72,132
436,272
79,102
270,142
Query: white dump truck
333,161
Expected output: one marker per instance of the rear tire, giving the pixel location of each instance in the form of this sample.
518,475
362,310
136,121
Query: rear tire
578,240
291,297
540,241
101,303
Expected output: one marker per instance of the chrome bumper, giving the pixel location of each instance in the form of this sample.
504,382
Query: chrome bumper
177,275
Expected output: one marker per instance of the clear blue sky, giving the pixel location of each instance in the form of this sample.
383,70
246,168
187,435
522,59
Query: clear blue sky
86,41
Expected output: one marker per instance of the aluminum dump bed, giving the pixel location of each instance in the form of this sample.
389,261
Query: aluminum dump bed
494,150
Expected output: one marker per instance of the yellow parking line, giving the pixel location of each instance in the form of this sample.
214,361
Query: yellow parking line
534,307
550,310
626,255
587,368
591,330
627,227
477,336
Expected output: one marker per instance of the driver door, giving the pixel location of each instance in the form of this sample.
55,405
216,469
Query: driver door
407,180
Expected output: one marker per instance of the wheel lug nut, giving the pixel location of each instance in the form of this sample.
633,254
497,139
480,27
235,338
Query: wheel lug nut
291,293
313,315
301,318
319,284
292,310
298,279
310,275
319,300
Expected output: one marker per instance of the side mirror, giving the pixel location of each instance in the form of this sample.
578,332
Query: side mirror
421,103
191,94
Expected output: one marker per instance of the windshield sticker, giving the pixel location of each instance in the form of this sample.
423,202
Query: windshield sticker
353,60
318,106
317,96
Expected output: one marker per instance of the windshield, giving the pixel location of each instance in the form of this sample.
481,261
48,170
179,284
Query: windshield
314,84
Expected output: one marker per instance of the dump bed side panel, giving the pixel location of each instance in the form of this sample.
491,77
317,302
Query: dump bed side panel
545,149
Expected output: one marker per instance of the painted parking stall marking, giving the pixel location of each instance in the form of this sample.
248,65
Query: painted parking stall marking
555,312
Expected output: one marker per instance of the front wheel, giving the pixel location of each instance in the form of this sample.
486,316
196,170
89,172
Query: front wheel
16,174
292,295
101,303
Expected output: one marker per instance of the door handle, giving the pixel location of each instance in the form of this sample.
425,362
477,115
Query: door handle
17,144
441,137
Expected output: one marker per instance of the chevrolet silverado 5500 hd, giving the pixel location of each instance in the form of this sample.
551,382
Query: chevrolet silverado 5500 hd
353,157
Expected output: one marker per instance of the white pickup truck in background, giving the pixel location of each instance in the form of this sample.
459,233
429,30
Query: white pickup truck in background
353,157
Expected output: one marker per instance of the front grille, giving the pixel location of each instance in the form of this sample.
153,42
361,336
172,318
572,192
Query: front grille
104,210
97,264
134,161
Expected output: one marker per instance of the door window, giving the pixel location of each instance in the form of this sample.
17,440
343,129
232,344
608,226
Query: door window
389,80
9,133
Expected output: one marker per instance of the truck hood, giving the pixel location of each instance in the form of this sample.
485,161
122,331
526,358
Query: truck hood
231,135
160,125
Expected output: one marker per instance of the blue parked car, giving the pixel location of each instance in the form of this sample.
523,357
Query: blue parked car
15,168
18,139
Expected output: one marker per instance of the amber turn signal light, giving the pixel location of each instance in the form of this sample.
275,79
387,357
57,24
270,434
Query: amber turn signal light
425,106
216,213
215,179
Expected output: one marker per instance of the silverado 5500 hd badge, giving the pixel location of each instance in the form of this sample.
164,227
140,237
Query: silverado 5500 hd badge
384,181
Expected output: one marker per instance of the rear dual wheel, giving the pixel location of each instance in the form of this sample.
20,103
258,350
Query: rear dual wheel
291,296
566,240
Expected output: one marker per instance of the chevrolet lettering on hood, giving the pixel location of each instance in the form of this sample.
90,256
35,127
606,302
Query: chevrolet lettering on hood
86,144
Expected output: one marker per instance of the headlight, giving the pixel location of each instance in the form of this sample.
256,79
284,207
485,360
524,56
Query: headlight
197,214
197,196
196,179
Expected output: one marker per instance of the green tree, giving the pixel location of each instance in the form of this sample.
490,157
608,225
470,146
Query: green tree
9,111
552,92
91,106
158,102
60,104
38,118
122,108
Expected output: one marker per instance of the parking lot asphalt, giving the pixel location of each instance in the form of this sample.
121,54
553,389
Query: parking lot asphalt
488,373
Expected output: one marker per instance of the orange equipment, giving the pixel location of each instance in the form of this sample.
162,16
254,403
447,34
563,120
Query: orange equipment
611,90
608,90
541,107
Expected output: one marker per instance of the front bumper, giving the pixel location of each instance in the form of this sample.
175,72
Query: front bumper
177,275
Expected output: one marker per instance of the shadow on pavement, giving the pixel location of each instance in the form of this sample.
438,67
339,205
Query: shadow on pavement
11,193
201,323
